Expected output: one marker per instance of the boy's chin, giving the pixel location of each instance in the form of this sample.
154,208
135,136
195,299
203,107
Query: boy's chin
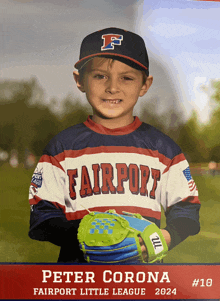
111,115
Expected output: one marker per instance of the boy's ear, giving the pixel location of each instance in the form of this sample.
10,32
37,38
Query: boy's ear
78,82
146,85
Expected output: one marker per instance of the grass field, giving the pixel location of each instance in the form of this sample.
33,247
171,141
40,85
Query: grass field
16,246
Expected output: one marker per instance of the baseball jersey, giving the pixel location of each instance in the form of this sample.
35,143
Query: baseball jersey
135,168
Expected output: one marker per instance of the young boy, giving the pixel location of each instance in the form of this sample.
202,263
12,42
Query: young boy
112,160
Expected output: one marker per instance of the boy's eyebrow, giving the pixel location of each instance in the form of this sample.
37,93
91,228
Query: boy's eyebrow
102,70
97,69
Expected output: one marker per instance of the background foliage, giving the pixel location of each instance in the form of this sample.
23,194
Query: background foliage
27,121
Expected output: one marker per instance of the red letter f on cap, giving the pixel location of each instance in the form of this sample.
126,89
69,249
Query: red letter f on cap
110,40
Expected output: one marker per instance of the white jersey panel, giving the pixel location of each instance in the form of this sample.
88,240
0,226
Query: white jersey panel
48,183
108,172
176,186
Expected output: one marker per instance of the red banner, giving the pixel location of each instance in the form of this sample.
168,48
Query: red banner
28,281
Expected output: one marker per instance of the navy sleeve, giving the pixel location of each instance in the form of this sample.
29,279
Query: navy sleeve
182,221
48,223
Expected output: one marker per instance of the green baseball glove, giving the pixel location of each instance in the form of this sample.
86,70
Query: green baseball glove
114,238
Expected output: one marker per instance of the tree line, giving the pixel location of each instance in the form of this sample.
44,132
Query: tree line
27,121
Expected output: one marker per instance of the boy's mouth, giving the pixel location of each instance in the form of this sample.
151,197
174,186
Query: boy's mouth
114,101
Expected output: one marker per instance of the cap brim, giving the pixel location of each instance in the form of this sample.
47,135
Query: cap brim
137,65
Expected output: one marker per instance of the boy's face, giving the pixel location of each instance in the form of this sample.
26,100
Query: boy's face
112,88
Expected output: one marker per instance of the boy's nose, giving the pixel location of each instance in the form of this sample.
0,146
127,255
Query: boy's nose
112,86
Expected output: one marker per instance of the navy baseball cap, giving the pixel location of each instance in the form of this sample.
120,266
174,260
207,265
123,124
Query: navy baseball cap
115,43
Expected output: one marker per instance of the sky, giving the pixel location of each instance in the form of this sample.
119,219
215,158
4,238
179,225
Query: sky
185,36
41,38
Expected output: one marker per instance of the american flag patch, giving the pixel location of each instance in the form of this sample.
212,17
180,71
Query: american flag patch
191,183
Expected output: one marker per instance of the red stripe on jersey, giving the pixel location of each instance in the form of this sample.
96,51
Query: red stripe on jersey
119,210
80,214
98,128
175,161
192,199
112,149
52,160
35,200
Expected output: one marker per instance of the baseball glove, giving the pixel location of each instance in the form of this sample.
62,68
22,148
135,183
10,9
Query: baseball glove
108,237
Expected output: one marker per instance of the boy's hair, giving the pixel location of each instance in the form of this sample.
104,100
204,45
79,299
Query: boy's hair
111,60
114,43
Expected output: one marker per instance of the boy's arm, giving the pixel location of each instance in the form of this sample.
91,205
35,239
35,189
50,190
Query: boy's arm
48,223
178,228
47,197
182,221
180,202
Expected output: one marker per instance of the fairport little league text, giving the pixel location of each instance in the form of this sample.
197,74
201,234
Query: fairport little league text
119,291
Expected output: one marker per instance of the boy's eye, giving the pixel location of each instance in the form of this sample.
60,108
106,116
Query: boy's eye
99,76
127,78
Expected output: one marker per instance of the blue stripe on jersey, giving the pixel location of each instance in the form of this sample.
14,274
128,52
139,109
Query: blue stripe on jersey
80,136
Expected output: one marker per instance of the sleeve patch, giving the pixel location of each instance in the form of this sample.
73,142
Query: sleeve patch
37,179
191,183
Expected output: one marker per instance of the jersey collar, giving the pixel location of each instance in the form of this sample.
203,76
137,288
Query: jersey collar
98,128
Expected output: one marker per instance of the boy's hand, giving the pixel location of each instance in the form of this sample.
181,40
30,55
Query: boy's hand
167,238
143,249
